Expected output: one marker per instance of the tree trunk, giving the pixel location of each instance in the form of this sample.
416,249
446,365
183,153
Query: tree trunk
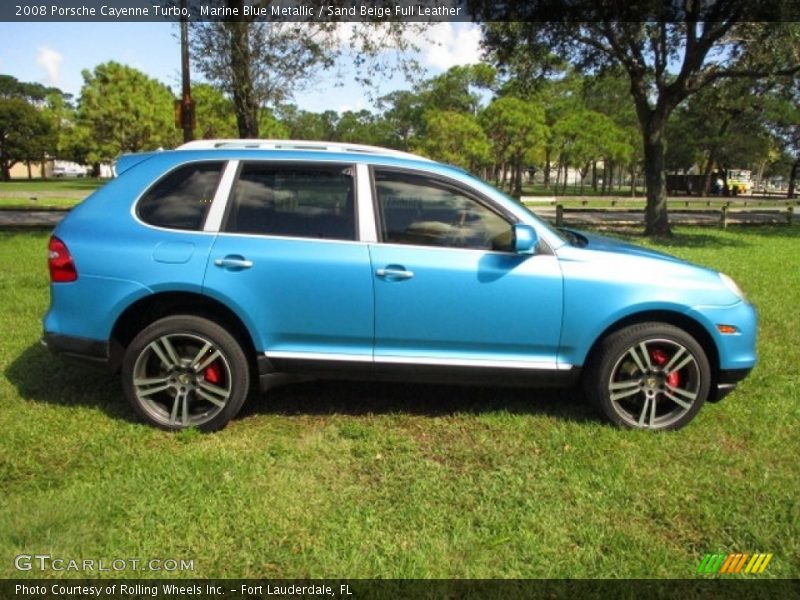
517,178
594,175
6,171
656,217
792,178
30,172
547,168
712,155
244,100
709,171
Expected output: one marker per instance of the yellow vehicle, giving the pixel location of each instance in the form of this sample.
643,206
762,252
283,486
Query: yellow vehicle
739,182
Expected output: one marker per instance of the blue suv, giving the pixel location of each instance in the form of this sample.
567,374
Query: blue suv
202,271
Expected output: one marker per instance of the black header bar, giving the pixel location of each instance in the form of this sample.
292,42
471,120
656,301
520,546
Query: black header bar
331,11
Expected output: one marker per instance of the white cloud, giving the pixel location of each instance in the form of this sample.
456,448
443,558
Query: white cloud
441,45
50,61
356,106
451,44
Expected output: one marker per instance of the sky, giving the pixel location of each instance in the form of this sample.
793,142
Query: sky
54,54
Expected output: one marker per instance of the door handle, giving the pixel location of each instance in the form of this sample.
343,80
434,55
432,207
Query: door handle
234,263
394,273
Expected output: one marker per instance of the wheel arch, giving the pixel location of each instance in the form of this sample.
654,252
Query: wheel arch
153,307
682,321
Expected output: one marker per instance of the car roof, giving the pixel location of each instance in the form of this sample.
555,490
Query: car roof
299,145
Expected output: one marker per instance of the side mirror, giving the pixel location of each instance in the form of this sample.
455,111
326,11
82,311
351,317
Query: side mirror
525,239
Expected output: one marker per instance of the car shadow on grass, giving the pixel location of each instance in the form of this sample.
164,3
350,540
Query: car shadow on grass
369,398
39,376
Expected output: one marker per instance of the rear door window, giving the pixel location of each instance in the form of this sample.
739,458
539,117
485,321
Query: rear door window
307,201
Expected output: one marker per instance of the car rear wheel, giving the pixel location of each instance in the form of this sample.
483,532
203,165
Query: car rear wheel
185,371
649,376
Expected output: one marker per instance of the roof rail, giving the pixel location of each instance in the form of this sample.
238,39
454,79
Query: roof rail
298,145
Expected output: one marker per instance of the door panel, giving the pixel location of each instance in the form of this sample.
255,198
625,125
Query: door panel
287,259
461,306
448,287
308,296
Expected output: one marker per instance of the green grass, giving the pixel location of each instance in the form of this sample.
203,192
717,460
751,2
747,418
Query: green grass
359,481
37,203
45,194
72,184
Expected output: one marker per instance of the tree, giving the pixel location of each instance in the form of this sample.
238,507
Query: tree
362,127
666,61
25,134
601,93
213,112
719,127
517,131
455,138
306,125
403,113
259,63
584,137
457,89
783,117
124,110
33,93
263,63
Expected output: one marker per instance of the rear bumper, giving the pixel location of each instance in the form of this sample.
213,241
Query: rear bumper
91,351
727,380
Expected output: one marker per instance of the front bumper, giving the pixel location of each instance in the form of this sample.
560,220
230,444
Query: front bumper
727,380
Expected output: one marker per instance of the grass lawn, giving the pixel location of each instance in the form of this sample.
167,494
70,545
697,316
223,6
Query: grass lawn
38,194
69,184
360,481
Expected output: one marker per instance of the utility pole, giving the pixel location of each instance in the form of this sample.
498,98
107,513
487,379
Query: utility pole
187,104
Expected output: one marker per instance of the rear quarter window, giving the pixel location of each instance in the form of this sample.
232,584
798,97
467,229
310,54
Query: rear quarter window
181,199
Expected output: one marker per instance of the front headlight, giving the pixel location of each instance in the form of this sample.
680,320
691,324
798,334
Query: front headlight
732,286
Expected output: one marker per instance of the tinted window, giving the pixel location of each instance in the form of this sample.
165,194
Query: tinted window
181,199
295,201
420,210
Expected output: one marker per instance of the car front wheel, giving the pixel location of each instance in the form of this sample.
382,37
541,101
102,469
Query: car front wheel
185,371
649,376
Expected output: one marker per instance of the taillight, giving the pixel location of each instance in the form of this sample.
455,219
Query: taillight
62,267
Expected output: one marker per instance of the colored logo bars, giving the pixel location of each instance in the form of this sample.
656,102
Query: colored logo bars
733,563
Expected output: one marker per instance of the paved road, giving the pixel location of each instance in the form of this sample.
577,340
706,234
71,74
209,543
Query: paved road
24,219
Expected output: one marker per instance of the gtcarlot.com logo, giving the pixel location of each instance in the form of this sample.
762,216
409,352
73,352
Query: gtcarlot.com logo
46,562
738,563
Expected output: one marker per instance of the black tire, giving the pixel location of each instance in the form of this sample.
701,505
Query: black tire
185,371
648,376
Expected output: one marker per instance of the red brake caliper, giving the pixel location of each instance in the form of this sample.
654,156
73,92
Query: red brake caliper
659,358
212,373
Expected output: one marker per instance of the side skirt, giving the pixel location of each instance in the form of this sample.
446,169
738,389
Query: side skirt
274,372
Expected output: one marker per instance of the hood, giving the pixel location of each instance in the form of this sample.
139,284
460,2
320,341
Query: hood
601,243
